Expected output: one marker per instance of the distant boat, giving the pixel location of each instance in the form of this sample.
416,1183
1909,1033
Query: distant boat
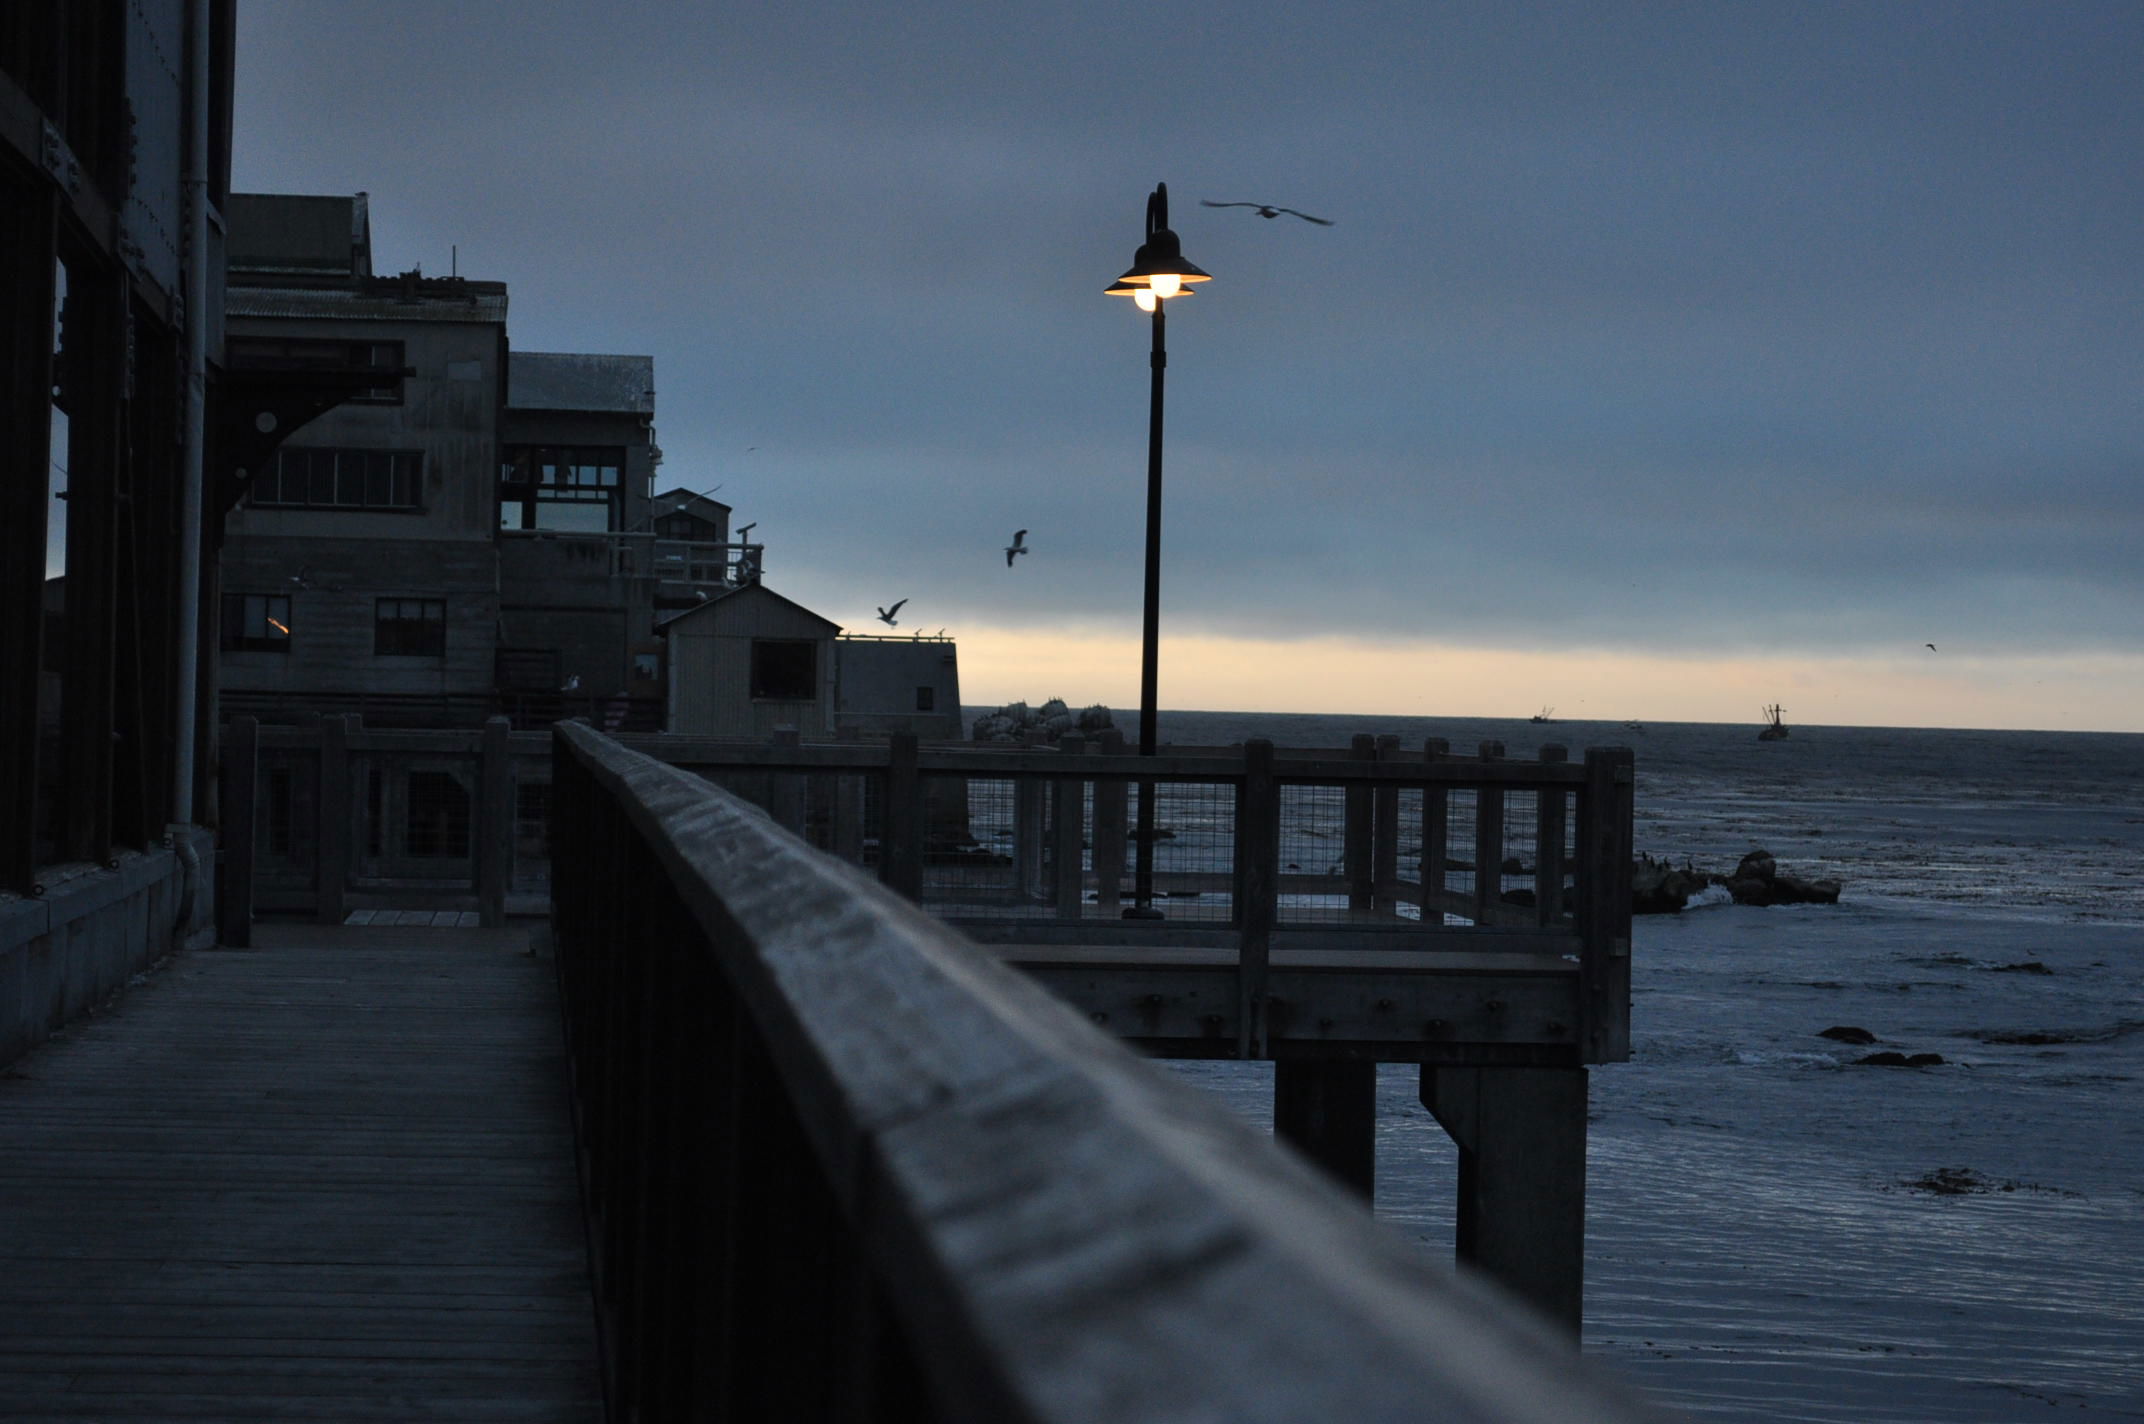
1546,714
1633,725
1775,730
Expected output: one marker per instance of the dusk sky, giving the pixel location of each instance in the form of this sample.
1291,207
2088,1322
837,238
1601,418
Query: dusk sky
1662,361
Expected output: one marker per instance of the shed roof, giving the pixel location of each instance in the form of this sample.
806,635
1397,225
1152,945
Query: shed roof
750,590
569,380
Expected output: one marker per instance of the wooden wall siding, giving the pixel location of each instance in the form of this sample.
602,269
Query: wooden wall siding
452,421
333,614
711,668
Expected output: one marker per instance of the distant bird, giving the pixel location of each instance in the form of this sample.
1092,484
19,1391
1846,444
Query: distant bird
1931,647
1267,210
1017,547
885,615
571,684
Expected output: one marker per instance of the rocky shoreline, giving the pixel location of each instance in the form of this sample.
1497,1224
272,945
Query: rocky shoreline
1658,887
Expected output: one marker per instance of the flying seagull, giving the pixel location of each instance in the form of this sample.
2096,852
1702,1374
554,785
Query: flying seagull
885,615
1267,210
1017,547
1931,647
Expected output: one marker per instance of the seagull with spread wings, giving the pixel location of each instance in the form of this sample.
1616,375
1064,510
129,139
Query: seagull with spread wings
1017,547
885,615
1267,210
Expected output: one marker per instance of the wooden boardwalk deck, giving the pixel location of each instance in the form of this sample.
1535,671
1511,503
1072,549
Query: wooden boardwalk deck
328,1178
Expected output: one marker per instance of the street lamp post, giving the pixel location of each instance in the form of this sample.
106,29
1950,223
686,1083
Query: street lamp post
1158,274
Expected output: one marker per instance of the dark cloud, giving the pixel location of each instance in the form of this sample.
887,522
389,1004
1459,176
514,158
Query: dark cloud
1641,326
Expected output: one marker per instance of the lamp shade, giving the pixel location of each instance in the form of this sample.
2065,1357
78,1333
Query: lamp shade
1161,255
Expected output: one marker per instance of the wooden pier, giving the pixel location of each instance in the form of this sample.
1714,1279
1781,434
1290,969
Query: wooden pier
327,1178
1465,913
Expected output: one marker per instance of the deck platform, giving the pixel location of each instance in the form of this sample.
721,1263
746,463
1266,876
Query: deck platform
329,1177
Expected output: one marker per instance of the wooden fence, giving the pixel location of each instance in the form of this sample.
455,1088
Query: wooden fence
841,1164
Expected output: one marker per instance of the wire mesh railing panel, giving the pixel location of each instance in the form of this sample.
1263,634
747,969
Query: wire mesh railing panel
1194,850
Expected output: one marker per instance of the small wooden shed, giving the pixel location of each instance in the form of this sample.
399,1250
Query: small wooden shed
747,661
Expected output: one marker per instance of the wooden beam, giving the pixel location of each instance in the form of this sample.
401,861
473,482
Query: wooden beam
28,237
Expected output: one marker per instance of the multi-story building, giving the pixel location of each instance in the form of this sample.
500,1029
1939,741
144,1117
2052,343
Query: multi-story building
360,569
474,536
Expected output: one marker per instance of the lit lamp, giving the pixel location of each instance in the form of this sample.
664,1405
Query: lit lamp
1158,274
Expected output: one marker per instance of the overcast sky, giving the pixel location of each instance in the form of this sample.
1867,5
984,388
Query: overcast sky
1661,360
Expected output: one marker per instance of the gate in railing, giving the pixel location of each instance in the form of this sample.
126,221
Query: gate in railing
842,1165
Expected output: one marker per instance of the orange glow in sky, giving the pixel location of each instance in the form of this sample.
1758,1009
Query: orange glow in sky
1935,689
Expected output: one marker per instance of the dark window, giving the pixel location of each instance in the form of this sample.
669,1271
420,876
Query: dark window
341,479
256,623
437,823
565,487
647,667
409,627
785,671
926,699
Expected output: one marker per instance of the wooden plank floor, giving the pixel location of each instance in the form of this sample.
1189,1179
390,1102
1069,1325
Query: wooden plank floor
331,1178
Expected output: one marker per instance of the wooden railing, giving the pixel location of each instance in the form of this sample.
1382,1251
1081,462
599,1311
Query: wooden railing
334,816
1430,851
840,1164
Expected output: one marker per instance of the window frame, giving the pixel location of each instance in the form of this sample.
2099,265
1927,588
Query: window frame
429,640
379,481
764,678
236,637
532,476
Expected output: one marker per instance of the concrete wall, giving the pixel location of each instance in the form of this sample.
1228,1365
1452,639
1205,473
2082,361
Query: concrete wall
877,683
77,944
449,410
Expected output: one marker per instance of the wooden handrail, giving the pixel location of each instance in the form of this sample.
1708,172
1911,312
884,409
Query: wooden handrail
843,1164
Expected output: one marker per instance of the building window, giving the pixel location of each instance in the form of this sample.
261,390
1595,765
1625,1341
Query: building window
647,667
341,479
409,627
785,671
256,623
926,699
562,487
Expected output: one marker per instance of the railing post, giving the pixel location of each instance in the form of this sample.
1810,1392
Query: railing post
1109,805
1436,835
1385,835
785,789
331,842
495,822
900,832
1604,904
1027,792
1548,842
239,831
1357,822
1488,841
1258,849
1067,877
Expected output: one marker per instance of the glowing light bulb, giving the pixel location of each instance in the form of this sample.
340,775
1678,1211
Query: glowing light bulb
1165,284
1145,299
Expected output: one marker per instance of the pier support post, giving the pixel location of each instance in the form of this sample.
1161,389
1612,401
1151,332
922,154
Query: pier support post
1327,1110
1521,1134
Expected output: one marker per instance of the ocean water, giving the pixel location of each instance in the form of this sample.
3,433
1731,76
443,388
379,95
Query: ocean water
1775,1232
